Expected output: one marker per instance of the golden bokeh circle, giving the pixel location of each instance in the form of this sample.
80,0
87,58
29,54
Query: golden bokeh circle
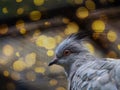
90,4
3,29
112,54
60,88
30,59
40,70
38,2
50,43
41,40
111,36
78,1
35,15
20,24
50,52
22,30
118,46
65,20
56,69
19,65
82,12
72,27
18,1
15,76
5,10
53,82
8,50
20,11
98,26
6,73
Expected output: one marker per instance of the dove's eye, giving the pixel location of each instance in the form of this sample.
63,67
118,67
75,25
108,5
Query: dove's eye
67,52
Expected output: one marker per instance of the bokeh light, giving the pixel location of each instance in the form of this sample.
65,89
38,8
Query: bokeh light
6,73
18,1
30,59
82,12
98,26
50,52
60,88
112,36
20,11
53,82
3,29
35,15
38,2
5,10
78,1
8,50
40,70
90,4
72,27
19,65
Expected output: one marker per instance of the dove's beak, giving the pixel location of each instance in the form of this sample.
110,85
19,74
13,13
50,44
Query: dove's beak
54,61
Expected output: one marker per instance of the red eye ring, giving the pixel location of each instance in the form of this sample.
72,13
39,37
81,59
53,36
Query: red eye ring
67,52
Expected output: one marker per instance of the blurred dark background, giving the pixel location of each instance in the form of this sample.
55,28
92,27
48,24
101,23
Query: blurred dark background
30,30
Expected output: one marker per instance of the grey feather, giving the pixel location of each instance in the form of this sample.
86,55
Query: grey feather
84,70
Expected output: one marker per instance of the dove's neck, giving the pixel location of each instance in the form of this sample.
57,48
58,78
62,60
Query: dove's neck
82,59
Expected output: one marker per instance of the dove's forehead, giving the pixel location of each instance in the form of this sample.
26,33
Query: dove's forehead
63,45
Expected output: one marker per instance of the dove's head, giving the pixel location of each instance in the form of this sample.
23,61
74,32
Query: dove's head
69,50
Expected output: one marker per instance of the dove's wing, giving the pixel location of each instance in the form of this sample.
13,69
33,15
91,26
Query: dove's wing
96,75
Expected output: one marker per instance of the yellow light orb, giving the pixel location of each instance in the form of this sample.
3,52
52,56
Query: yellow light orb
41,41
3,29
17,54
71,28
58,38
56,69
111,36
6,73
60,88
18,1
3,62
35,15
65,20
22,30
112,54
40,70
20,24
78,1
8,50
53,82
15,76
47,23
50,52
98,26
50,43
38,2
118,46
5,10
20,11
90,4
30,59
82,13
19,65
